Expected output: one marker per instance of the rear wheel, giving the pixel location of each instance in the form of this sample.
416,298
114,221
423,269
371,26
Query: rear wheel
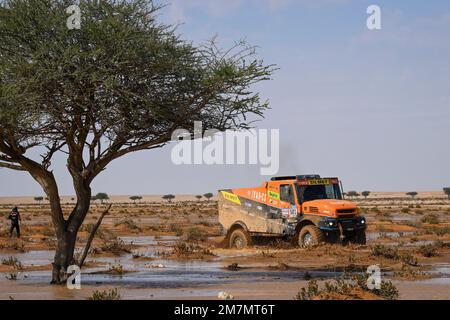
310,236
239,239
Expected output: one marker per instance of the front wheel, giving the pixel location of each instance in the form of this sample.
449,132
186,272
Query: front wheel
239,239
359,237
310,236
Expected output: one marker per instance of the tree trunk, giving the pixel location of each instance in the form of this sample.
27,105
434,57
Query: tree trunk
63,257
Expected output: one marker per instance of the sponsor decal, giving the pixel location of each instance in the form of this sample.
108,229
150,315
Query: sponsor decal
273,194
316,182
231,197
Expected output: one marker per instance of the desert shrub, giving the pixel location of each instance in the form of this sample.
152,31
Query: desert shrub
346,288
195,234
115,246
376,210
16,246
430,218
176,229
129,223
405,210
206,223
409,259
429,250
387,289
116,269
393,254
4,232
88,227
386,252
11,276
13,262
310,292
363,210
112,294
437,231
184,249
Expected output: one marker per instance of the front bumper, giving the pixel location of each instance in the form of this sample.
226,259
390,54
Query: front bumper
348,224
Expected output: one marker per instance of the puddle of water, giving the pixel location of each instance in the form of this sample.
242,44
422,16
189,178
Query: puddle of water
377,235
150,240
35,258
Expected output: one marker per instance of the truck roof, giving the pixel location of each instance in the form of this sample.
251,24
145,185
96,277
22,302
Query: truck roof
301,177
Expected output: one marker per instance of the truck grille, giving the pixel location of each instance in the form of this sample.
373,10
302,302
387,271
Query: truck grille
346,211
313,209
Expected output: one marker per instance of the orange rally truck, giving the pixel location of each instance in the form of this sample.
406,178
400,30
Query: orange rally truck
307,209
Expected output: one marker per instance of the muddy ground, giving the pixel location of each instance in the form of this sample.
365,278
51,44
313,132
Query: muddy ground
156,250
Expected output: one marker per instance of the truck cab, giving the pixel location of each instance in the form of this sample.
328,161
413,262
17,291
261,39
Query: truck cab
307,208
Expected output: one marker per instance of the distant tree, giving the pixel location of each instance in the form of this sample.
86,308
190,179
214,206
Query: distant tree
135,198
353,194
412,194
102,197
208,196
365,194
168,197
199,197
447,192
38,199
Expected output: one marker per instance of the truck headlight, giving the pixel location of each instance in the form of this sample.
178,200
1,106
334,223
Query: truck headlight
363,221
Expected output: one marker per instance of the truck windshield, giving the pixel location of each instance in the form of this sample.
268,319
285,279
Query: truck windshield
317,192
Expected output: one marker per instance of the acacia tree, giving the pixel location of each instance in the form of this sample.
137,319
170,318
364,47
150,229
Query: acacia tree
352,194
447,192
135,198
412,194
168,197
365,194
208,196
121,83
38,199
102,197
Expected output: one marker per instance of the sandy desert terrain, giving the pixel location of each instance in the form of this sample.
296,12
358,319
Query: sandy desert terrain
157,250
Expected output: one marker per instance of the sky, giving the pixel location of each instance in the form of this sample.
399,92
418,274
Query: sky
369,106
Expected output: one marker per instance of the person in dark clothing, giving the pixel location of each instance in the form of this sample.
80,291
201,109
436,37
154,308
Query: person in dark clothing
14,216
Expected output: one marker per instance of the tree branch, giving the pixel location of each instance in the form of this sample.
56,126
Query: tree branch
91,237
12,166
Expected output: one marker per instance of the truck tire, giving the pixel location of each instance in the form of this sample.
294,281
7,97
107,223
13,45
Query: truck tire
310,236
239,239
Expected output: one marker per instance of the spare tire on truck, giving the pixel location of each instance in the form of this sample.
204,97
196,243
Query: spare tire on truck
310,236
239,239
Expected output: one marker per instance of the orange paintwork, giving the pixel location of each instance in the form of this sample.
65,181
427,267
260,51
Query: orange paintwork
326,207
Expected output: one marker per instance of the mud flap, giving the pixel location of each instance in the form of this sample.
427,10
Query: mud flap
341,232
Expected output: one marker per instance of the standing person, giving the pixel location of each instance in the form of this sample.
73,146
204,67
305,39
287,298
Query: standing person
14,216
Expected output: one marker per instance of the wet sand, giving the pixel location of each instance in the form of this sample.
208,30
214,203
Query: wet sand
154,269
